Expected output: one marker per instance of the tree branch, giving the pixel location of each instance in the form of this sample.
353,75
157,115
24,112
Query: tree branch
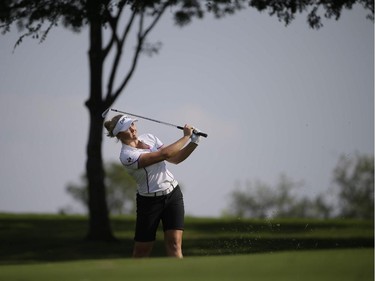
113,23
119,45
141,37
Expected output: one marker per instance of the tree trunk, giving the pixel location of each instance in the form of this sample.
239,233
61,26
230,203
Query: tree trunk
99,224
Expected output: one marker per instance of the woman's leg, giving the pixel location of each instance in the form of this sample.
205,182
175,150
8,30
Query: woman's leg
142,249
173,243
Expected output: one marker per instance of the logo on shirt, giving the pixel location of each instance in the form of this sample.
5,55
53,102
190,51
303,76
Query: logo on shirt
129,159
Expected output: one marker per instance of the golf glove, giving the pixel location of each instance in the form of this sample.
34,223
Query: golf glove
194,137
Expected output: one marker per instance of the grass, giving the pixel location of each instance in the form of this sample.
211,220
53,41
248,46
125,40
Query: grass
52,247
327,265
46,238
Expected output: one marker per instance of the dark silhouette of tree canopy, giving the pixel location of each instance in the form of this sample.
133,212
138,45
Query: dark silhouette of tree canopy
36,18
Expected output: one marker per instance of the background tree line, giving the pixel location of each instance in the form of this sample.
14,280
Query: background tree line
353,192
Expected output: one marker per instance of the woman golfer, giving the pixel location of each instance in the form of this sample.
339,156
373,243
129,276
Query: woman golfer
158,195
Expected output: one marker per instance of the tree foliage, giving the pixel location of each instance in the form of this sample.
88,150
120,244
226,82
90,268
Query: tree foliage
120,190
37,17
354,181
260,200
354,178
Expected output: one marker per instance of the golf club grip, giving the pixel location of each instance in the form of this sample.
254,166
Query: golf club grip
199,134
202,134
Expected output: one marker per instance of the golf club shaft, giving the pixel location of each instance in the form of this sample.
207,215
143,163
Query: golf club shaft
157,121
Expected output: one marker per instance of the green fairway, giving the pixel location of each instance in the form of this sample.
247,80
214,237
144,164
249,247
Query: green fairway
52,247
329,265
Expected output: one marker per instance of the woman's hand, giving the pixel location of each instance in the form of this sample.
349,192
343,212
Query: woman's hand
188,130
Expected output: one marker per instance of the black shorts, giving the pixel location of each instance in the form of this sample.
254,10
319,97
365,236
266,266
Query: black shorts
150,210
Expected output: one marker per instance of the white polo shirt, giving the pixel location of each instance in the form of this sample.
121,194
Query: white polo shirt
152,178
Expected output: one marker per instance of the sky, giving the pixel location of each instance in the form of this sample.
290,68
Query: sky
274,101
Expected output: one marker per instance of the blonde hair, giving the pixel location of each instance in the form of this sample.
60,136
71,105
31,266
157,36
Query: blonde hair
110,125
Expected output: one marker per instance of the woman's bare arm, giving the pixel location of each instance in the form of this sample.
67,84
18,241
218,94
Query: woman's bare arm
168,152
183,154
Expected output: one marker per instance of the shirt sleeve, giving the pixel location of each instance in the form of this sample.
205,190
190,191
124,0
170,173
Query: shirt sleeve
130,159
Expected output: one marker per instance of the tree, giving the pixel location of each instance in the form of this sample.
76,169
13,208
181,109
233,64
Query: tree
354,178
256,201
260,200
120,190
122,19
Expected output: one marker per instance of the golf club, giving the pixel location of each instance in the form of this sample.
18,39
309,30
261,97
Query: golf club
104,114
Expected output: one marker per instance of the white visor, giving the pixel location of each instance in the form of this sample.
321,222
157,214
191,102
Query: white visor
123,124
